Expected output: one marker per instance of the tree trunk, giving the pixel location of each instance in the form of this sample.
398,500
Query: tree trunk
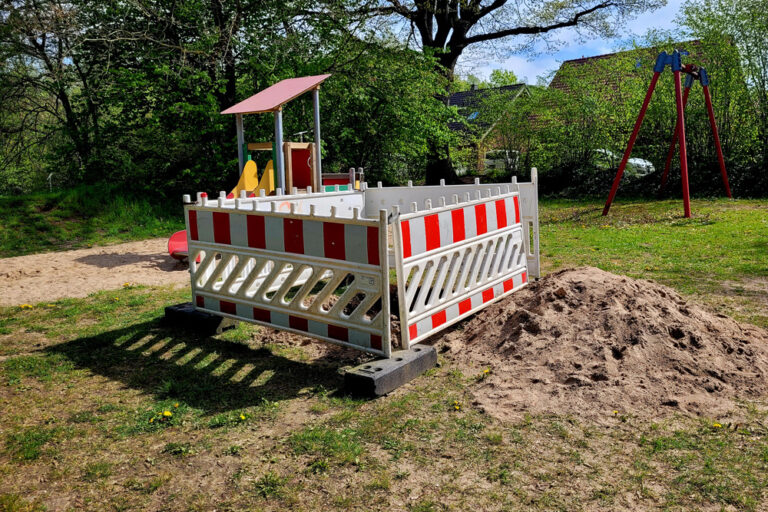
439,165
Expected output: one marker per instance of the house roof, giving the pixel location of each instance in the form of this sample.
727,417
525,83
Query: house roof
275,96
469,102
644,58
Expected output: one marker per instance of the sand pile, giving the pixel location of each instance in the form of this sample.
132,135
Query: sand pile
588,342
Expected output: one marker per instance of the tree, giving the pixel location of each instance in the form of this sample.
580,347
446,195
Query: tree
447,28
743,24
502,77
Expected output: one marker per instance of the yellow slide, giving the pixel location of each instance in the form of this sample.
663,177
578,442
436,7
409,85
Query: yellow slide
249,180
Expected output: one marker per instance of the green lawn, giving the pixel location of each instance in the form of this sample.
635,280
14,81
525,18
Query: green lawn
104,408
719,256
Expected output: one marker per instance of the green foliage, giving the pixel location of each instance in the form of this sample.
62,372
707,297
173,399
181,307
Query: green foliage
81,217
576,130
139,106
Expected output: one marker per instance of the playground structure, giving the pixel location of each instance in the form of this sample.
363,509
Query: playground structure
294,165
674,61
317,261
318,264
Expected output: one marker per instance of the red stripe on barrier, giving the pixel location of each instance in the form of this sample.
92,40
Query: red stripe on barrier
373,245
376,341
221,228
200,301
193,224
293,235
438,319
432,228
501,214
413,332
465,306
333,240
227,307
480,219
257,235
525,277
262,315
508,285
517,210
487,294
457,219
338,333
405,226
298,323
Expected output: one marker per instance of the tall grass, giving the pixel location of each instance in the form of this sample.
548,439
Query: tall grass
82,217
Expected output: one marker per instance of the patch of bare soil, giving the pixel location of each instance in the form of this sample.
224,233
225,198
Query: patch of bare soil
588,342
56,275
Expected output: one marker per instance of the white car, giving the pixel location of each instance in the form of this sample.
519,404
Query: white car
636,167
501,160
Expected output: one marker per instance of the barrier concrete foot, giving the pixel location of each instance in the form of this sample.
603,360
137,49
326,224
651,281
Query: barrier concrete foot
382,376
185,316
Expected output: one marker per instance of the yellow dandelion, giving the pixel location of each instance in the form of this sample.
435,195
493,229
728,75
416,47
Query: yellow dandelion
487,371
717,425
242,416
167,414
615,412
26,306
176,404
151,420
457,407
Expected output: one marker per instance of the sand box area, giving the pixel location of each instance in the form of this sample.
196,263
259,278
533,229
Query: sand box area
55,275
587,342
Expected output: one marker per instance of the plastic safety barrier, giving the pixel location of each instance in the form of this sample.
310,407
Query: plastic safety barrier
319,264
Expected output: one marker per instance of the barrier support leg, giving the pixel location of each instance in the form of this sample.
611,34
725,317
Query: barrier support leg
631,143
721,161
683,155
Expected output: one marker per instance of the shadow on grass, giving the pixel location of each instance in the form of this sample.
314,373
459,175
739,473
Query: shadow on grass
205,372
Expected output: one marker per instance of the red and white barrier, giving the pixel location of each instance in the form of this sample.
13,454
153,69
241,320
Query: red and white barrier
318,263
456,258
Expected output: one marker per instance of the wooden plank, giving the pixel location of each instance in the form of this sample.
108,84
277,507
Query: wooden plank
260,146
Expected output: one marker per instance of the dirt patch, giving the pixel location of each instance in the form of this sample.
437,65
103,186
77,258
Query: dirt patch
588,342
78,273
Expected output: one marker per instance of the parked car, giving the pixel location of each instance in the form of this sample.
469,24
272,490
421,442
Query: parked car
501,160
636,167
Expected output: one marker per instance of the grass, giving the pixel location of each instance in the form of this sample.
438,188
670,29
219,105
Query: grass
81,217
254,424
719,256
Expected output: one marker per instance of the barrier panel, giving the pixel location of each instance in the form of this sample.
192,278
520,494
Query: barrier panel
456,258
324,276
318,264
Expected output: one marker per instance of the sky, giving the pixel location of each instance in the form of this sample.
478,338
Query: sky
528,69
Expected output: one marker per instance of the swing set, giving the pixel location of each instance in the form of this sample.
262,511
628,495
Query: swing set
693,73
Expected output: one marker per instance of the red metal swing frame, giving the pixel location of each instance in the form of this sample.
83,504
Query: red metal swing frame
692,72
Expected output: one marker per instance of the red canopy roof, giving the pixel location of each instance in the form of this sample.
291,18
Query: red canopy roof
271,98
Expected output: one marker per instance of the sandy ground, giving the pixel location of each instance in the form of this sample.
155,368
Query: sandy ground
588,343
55,275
